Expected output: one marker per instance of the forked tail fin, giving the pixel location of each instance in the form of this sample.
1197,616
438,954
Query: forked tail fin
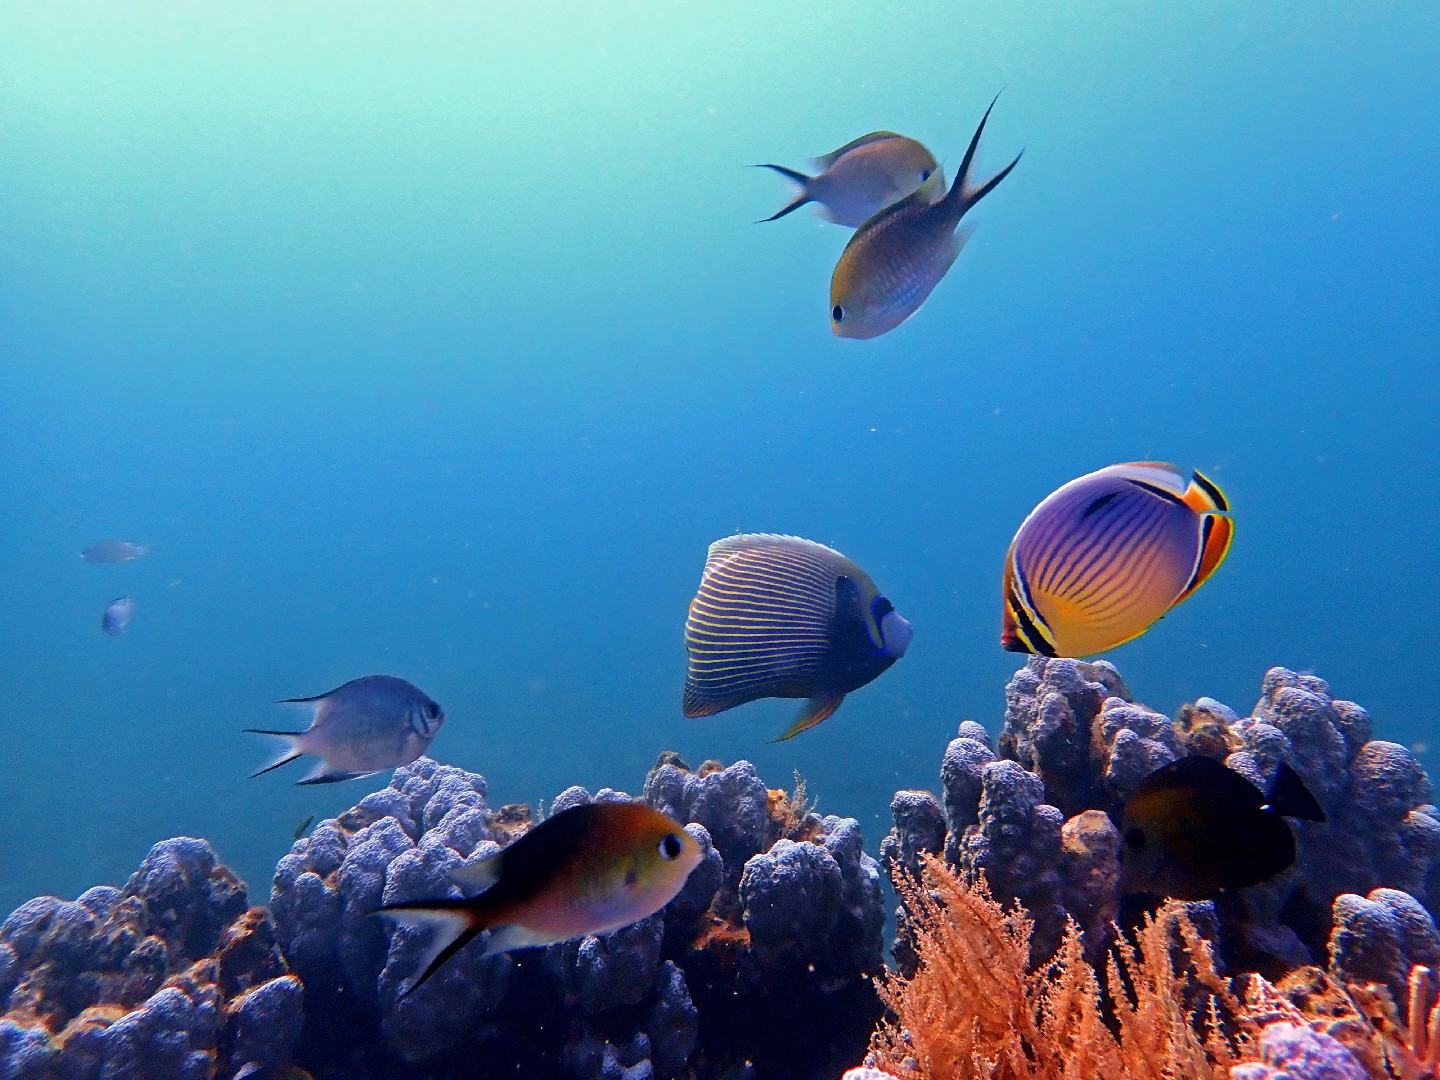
290,753
455,924
800,200
962,195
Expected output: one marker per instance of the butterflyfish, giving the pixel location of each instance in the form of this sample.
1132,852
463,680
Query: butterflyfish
1194,829
862,178
896,258
778,616
1108,554
587,870
372,723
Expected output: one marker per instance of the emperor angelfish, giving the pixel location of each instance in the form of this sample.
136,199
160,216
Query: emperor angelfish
587,870
863,177
1105,556
895,259
1195,828
778,616
369,724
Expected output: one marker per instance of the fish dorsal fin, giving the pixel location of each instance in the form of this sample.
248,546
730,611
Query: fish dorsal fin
722,549
1289,797
823,163
478,876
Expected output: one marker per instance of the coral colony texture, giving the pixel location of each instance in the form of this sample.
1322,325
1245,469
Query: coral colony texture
1015,954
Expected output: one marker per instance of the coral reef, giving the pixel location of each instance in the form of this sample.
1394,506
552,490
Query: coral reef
1074,745
762,965
174,975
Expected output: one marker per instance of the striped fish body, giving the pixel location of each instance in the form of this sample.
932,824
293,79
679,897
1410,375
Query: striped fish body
779,616
1104,557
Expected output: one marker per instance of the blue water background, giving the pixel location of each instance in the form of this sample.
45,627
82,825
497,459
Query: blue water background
437,340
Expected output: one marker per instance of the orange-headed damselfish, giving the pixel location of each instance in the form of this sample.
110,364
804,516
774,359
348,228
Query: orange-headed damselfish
587,870
896,259
1105,556
863,177
1194,829
778,616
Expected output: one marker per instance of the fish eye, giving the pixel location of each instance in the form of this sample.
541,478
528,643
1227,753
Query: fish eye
880,608
433,710
924,175
837,313
670,847
1135,839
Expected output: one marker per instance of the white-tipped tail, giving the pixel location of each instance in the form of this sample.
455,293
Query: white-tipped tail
453,923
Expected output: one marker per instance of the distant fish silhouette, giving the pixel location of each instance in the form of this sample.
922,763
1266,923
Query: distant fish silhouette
778,616
117,616
114,551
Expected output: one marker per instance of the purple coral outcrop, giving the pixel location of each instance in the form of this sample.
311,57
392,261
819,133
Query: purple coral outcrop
174,975
1379,938
1296,1052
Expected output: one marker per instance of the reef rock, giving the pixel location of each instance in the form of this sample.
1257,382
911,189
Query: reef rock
1038,822
769,948
174,975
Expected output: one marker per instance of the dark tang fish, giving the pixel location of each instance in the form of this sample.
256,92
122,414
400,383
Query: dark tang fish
1105,556
1194,829
778,616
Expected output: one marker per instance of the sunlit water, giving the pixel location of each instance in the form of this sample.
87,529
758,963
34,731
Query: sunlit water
437,340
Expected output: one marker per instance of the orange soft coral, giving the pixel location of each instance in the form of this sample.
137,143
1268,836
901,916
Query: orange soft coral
974,1009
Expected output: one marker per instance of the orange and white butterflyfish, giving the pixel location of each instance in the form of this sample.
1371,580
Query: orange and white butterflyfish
587,870
778,616
895,260
863,177
1105,556
1194,829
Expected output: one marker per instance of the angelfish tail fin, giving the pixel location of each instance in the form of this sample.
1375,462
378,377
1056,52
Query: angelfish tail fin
800,200
290,753
815,710
455,924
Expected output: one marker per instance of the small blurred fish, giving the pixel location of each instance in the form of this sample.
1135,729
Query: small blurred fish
253,1070
369,724
118,614
778,616
113,551
863,177
587,870
896,258
1194,829
1104,557
300,829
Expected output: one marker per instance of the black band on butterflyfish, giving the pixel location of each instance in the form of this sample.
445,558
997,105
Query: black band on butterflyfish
1029,633
1216,495
1207,526
1154,489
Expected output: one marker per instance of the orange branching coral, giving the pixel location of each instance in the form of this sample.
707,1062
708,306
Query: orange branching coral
1411,1047
973,1009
